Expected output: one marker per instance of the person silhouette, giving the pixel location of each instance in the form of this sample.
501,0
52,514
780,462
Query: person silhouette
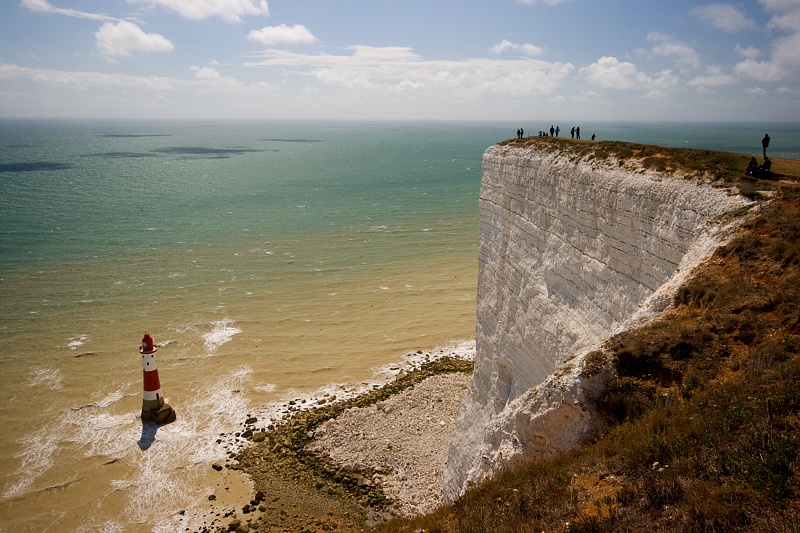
752,167
765,143
765,166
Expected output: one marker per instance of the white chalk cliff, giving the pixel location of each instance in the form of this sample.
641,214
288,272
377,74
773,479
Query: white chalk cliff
571,251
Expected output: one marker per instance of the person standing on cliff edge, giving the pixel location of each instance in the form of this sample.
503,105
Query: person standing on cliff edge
765,143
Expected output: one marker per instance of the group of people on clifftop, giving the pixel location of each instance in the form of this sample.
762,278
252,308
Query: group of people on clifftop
575,132
753,168
762,170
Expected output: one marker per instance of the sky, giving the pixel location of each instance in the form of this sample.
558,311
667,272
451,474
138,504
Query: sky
494,60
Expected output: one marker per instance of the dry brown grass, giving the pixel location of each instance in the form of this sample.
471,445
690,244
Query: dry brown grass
702,426
689,162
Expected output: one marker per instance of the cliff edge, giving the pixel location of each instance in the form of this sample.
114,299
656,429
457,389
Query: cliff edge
572,250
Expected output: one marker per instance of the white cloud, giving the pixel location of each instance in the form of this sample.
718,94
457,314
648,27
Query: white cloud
750,52
283,34
399,68
206,73
122,39
787,14
787,52
525,49
724,17
347,79
209,78
410,85
611,73
755,91
668,46
714,77
43,6
51,79
228,10
85,80
787,90
784,61
760,70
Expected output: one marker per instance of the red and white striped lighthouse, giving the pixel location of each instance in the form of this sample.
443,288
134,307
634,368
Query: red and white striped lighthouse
153,405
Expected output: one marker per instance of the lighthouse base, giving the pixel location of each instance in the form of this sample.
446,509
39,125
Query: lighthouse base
161,414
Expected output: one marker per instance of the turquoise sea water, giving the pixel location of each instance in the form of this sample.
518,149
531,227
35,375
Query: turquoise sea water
274,259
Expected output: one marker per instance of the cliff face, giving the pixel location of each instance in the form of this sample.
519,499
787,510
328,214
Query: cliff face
570,253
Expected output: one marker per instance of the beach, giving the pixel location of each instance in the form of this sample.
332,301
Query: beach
378,454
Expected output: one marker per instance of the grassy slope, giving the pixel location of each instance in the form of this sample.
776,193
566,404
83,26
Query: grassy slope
702,427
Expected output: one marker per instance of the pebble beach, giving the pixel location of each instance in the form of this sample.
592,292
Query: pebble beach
379,453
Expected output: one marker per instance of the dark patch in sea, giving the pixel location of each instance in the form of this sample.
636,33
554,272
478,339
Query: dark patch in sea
294,140
121,155
201,151
132,135
35,166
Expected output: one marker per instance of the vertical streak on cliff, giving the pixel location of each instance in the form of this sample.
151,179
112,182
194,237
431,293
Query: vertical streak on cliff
568,254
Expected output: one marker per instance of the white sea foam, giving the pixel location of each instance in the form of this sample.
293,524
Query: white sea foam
269,387
164,478
101,434
109,399
105,527
73,343
49,378
222,331
35,457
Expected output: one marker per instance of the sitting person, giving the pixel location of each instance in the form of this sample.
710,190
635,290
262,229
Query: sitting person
752,167
765,166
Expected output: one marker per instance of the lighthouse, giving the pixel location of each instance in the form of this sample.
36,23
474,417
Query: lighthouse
153,405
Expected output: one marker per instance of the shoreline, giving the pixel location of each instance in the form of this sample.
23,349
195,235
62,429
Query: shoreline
346,455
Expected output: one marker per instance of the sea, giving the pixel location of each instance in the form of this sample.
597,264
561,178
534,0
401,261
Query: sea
269,261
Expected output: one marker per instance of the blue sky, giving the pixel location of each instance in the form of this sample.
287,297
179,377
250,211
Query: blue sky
417,59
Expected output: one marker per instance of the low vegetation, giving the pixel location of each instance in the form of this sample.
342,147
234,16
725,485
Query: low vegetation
701,428
722,167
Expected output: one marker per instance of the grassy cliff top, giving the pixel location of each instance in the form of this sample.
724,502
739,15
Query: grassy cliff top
725,167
